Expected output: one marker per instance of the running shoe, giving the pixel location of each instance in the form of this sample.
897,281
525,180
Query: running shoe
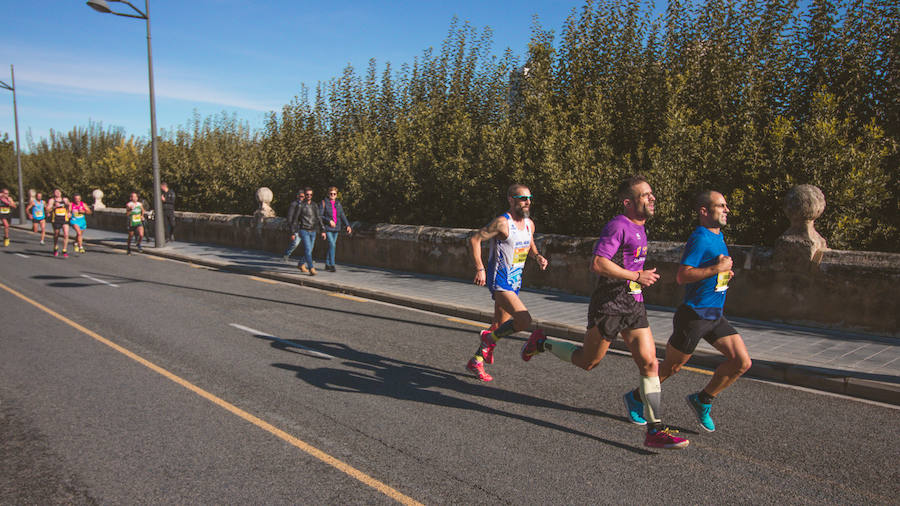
56,252
702,412
5,242
477,368
42,241
140,248
534,344
65,255
487,346
665,438
634,408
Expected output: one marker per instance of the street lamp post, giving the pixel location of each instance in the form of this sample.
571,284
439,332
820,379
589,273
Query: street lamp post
22,204
102,6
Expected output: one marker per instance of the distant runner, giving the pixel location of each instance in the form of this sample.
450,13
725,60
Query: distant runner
705,272
512,242
617,307
59,210
7,204
78,221
36,208
135,213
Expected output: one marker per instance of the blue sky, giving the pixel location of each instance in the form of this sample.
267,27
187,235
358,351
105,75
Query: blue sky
74,65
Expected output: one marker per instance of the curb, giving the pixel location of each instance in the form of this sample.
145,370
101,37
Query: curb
828,380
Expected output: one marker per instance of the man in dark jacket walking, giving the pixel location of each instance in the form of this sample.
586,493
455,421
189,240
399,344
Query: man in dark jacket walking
168,206
334,220
306,221
291,220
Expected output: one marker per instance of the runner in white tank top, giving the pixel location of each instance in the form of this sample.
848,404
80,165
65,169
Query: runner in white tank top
507,260
512,242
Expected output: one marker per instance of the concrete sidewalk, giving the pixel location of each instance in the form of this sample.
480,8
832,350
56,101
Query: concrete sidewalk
860,365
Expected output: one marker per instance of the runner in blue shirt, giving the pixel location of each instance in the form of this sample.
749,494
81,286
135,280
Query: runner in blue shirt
705,271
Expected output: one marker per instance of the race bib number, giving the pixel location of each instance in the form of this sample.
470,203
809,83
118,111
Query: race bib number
60,211
5,210
77,214
722,280
135,219
520,255
634,287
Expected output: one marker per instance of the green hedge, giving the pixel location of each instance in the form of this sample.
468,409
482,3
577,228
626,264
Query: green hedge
744,97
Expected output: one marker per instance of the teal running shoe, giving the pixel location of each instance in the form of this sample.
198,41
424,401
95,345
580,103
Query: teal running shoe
702,412
634,408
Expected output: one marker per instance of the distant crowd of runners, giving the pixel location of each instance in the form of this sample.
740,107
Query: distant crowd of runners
66,214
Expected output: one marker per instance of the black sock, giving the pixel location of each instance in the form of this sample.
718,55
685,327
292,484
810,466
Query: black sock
704,397
637,394
654,426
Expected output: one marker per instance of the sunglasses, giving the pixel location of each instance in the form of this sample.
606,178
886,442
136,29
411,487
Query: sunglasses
522,197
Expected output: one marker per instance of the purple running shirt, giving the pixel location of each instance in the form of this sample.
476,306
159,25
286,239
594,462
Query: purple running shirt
625,244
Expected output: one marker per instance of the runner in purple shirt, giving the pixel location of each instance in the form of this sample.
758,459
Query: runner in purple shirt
617,307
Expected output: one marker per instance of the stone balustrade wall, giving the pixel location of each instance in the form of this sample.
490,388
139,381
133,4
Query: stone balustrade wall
842,289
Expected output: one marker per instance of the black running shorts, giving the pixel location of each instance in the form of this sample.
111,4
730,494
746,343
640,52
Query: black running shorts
610,325
688,328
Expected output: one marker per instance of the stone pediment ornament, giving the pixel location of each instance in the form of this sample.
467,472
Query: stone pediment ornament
801,247
264,197
98,199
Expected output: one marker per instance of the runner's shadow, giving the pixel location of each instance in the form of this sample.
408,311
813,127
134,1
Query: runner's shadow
397,379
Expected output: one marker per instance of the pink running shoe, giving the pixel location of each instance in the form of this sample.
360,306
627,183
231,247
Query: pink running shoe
533,345
665,438
487,346
477,368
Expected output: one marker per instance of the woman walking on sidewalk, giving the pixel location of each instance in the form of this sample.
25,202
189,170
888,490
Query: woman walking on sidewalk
334,219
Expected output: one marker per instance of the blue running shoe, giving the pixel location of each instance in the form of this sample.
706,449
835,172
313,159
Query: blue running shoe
702,412
635,409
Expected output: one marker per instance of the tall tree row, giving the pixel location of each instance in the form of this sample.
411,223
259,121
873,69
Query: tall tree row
748,97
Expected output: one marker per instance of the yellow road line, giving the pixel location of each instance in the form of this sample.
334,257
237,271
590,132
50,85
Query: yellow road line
469,322
264,280
701,371
161,259
262,424
349,297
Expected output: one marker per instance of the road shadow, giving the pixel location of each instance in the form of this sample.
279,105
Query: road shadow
374,374
58,282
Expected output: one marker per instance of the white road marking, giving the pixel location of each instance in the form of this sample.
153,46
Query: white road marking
100,281
282,341
21,255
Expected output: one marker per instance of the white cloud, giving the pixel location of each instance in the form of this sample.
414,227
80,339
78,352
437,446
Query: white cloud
81,74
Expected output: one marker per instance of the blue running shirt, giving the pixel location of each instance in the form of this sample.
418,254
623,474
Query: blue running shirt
707,296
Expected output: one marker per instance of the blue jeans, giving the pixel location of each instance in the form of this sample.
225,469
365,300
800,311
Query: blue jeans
293,245
332,242
309,240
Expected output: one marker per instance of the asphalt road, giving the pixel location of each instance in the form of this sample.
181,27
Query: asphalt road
142,380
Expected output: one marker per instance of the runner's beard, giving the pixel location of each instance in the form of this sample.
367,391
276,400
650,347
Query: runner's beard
521,213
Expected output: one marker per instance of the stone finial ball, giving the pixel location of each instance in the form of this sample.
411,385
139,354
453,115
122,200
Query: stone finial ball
804,202
97,194
264,195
